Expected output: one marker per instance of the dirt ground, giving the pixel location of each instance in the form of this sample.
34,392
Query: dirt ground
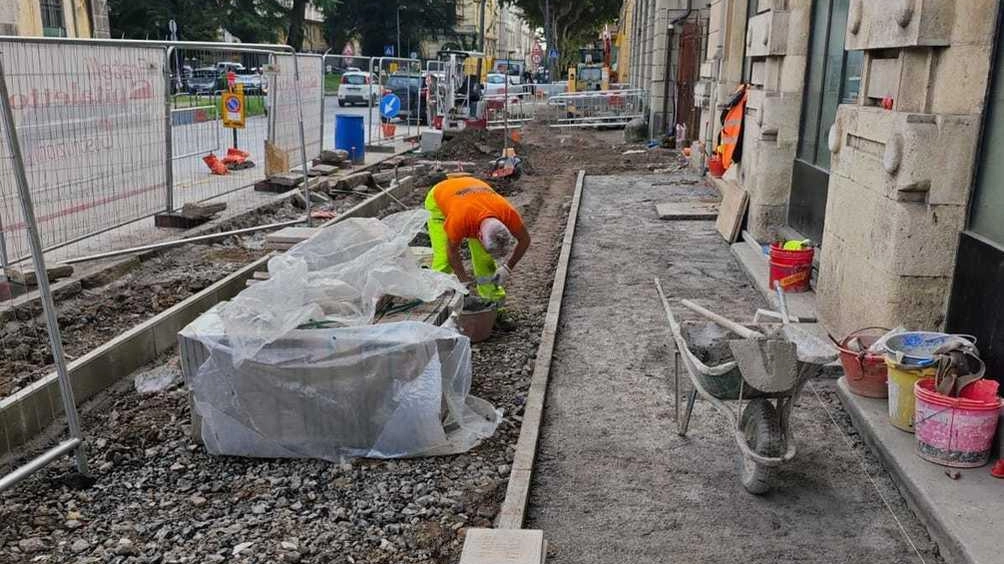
171,502
615,483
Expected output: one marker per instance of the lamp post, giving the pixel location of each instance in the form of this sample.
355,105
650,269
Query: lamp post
398,14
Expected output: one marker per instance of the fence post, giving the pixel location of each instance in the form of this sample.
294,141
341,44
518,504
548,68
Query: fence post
324,92
41,275
168,135
303,135
4,262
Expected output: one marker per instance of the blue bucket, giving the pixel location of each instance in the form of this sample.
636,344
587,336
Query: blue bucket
916,348
350,136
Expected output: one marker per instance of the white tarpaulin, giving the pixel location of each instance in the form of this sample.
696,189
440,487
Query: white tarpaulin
272,385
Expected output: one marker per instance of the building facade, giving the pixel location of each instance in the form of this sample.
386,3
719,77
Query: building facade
505,30
875,129
54,18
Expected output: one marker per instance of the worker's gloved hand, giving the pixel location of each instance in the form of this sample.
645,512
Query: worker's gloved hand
501,275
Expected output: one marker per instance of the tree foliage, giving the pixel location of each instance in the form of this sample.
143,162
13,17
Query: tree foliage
573,22
251,21
374,23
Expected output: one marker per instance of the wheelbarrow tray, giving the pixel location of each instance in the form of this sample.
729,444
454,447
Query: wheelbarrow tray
710,361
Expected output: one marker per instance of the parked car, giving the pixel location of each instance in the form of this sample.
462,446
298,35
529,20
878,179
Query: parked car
410,88
252,81
204,80
358,88
225,66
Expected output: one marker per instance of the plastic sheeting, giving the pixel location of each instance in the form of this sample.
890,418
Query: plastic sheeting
265,388
337,276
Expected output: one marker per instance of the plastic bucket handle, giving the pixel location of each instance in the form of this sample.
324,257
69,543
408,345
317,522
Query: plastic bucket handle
859,356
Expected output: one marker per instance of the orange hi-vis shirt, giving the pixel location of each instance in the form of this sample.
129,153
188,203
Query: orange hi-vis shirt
466,202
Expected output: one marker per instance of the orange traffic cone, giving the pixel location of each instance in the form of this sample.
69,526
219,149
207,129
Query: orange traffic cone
215,164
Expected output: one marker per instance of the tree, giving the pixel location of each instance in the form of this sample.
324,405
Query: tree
198,20
255,21
573,22
374,22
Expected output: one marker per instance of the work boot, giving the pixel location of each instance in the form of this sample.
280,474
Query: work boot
504,321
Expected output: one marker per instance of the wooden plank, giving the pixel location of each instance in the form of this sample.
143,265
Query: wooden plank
513,511
735,201
501,546
686,210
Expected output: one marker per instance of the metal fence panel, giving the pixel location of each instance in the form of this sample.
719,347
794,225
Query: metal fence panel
284,115
91,120
607,108
512,110
403,77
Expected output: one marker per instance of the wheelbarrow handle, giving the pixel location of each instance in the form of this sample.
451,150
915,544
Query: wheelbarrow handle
736,328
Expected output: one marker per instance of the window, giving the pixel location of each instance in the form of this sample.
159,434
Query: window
52,18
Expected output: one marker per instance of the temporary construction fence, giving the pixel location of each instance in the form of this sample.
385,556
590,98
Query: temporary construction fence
404,79
90,130
12,158
114,131
511,110
599,108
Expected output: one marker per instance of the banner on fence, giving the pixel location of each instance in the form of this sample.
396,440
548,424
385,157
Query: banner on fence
90,119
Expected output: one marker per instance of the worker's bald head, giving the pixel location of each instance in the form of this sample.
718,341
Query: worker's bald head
495,237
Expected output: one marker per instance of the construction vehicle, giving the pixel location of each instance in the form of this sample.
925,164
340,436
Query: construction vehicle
451,102
588,74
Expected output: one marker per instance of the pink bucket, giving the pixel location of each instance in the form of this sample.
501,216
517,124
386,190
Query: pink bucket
960,431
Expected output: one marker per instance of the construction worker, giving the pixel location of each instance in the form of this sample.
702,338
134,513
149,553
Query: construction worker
468,209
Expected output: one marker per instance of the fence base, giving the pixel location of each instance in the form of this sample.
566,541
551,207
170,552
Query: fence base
381,149
177,221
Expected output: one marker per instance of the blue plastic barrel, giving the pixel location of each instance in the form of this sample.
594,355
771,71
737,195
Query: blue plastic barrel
350,135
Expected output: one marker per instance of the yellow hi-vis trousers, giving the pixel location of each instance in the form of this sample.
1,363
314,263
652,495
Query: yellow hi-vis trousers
484,264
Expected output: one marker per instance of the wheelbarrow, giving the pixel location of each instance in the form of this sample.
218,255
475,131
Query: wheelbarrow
761,367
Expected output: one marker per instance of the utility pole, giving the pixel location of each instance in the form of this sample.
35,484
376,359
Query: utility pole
547,39
398,14
481,59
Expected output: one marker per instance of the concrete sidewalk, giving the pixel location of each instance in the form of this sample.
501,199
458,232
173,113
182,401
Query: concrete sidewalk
614,482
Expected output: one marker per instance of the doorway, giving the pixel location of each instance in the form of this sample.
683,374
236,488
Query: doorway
833,77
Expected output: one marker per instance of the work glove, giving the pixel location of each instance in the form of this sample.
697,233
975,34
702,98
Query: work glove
501,275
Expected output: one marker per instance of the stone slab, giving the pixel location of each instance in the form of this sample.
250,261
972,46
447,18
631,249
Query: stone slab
28,277
503,546
177,220
291,235
802,306
323,170
289,179
735,201
964,516
686,210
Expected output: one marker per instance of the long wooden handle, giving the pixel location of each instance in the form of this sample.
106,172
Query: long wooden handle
736,328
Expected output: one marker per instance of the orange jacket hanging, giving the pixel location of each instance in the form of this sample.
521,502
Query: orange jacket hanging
731,136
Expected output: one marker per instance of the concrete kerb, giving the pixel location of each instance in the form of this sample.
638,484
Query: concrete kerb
116,268
513,511
28,412
960,515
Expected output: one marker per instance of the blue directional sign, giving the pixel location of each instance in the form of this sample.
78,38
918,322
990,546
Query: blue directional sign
553,54
388,51
390,106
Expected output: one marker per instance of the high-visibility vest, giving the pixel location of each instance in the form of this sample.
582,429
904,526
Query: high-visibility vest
732,129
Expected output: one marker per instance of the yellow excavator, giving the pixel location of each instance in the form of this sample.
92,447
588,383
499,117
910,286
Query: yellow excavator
589,75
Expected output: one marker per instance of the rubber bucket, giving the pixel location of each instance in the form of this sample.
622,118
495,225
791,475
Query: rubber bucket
902,402
957,432
350,136
792,270
715,167
866,372
477,325
388,129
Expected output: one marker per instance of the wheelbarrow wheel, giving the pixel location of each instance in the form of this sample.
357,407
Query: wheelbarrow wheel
763,435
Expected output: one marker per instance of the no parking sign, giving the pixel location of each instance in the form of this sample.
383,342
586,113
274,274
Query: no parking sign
233,108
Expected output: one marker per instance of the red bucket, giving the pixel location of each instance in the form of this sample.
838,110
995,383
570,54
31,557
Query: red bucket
959,431
866,372
715,167
792,270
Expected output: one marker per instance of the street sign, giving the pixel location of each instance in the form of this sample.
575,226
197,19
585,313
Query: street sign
388,50
231,79
552,54
537,50
537,58
390,106
233,108
348,51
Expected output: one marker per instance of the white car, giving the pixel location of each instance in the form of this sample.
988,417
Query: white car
358,88
496,84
